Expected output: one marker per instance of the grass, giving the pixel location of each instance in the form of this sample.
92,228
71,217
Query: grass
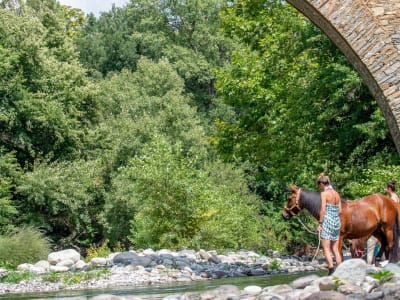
17,277
71,278
25,245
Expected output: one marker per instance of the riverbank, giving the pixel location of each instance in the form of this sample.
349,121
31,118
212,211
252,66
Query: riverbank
63,271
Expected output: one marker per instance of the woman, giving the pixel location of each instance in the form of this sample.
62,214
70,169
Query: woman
391,190
329,221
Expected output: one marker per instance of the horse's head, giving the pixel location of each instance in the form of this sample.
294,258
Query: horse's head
293,206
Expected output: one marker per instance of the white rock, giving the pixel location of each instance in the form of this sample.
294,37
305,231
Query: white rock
66,263
55,257
98,261
38,270
148,251
252,290
111,256
43,264
24,267
204,254
59,269
80,264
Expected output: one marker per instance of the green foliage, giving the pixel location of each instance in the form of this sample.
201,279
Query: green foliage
186,33
372,179
140,105
65,199
16,277
382,276
52,276
9,174
144,105
126,158
98,251
295,93
71,278
24,245
275,264
47,100
195,209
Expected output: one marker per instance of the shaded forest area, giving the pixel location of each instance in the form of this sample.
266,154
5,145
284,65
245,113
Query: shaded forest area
173,124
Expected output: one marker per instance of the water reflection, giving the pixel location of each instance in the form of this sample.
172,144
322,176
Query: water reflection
152,292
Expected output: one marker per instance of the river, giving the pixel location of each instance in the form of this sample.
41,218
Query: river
153,292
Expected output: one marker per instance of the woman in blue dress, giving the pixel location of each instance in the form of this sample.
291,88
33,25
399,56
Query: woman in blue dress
329,221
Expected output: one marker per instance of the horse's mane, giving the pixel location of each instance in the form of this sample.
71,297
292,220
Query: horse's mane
311,201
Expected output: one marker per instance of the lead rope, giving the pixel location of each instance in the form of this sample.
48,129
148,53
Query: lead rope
310,231
319,244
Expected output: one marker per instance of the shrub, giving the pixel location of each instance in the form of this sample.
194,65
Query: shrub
64,199
98,251
16,277
24,245
181,202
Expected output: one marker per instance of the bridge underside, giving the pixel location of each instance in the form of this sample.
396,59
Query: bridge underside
368,34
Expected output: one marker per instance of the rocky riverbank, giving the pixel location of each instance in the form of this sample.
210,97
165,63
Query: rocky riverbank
64,270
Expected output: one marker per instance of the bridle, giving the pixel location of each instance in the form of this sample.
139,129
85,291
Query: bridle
295,205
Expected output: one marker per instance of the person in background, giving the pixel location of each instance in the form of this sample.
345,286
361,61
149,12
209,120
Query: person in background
329,221
391,190
373,243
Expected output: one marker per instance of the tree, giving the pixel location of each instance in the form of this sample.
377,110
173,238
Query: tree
299,104
179,202
64,199
184,32
10,172
47,100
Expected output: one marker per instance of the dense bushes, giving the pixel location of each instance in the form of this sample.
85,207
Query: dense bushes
25,245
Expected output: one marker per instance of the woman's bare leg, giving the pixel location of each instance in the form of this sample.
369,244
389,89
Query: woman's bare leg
326,246
336,252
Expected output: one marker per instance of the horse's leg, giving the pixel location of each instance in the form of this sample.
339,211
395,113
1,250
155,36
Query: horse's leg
387,243
383,247
340,245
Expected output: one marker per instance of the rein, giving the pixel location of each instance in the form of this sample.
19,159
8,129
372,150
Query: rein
305,226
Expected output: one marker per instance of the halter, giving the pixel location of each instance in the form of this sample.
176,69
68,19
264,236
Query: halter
295,205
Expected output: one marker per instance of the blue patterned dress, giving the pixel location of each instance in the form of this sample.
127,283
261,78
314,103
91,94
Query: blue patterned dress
331,223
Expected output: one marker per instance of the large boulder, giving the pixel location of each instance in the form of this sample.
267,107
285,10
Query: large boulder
125,258
352,270
69,254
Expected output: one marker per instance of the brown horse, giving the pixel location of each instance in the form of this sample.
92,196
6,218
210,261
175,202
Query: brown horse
374,215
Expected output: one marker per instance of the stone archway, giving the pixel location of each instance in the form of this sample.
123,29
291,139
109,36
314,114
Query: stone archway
368,34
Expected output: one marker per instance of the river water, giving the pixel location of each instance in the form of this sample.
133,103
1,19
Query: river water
153,292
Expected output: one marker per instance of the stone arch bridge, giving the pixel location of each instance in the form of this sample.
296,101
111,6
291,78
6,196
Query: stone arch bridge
368,34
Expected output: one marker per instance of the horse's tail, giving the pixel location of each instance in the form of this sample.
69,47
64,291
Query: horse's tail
396,234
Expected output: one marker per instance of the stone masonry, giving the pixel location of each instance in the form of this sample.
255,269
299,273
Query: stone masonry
368,34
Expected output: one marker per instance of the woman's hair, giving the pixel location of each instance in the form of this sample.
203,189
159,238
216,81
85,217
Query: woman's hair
324,179
392,185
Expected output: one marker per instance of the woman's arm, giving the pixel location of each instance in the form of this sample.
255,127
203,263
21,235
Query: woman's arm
323,206
322,211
